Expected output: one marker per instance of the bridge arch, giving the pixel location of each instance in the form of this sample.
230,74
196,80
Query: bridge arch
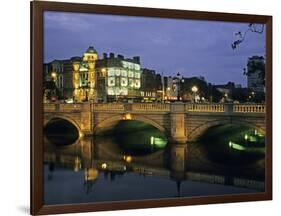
64,117
195,133
115,119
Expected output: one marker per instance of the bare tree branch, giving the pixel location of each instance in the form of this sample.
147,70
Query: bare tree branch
252,27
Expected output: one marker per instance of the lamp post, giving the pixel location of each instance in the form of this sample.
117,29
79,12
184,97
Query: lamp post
194,89
54,76
253,96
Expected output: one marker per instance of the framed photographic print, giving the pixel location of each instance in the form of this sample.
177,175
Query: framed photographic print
139,107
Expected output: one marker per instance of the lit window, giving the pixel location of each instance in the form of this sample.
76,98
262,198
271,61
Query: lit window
110,91
124,81
124,91
137,83
125,64
131,74
131,83
111,72
124,73
111,81
137,75
117,72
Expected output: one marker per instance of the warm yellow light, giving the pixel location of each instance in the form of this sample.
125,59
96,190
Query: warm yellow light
91,174
127,116
104,166
194,89
77,164
76,66
128,158
226,95
168,89
54,75
103,70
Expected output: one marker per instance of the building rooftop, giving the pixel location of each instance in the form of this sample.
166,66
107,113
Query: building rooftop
91,49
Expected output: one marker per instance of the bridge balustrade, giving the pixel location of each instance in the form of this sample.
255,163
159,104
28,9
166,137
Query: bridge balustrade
249,108
158,107
155,107
193,107
108,107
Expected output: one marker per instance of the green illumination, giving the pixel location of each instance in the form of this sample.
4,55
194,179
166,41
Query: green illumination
157,141
253,139
246,136
236,146
152,140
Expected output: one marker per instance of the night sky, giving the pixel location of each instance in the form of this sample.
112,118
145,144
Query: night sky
193,48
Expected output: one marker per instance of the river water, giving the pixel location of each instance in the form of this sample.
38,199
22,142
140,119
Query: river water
141,165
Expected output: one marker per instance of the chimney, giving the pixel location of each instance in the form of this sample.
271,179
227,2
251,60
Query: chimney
136,59
120,56
111,55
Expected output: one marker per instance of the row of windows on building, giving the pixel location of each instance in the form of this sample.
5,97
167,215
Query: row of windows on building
125,73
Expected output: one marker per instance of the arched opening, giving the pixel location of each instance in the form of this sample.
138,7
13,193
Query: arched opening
60,131
233,144
134,137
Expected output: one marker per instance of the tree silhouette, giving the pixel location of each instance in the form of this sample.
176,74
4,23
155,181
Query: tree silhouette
252,27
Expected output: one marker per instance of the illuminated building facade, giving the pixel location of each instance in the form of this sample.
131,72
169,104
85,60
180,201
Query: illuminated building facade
84,77
110,78
75,78
118,78
148,85
170,88
60,72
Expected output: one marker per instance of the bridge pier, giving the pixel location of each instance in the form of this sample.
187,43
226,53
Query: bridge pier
177,116
178,156
86,124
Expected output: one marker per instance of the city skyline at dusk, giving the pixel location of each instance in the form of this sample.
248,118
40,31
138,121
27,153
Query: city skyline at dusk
143,108
192,48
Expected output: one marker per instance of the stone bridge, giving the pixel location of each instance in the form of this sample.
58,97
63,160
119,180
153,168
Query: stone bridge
180,122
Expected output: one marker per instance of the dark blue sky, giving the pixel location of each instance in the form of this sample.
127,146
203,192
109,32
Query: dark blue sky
190,47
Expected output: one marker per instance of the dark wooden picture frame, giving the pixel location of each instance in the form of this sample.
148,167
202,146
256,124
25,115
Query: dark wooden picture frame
37,9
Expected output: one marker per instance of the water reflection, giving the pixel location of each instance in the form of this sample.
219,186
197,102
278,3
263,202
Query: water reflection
138,138
234,145
95,169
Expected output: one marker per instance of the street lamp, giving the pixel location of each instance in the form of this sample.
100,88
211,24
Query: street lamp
194,89
54,75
